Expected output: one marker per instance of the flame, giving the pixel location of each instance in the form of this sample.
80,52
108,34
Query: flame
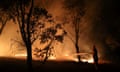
76,60
70,57
52,58
65,57
90,60
18,55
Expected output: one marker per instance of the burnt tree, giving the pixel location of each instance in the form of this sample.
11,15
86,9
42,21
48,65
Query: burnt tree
75,11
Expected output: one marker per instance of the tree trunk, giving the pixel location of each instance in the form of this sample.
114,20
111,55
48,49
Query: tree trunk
29,59
46,57
76,42
77,51
29,45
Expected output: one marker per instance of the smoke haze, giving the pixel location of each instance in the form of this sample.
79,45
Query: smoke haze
94,27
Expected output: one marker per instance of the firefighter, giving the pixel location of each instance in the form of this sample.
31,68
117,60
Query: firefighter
95,57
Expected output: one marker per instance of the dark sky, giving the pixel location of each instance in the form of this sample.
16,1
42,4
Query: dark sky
110,21
111,13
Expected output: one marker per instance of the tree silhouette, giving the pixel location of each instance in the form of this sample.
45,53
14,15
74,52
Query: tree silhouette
75,11
22,9
27,16
46,31
40,31
5,13
49,35
23,19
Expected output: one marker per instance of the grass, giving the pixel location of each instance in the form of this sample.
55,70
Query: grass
19,65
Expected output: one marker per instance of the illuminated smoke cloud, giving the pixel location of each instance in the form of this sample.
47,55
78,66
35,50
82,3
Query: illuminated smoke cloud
94,28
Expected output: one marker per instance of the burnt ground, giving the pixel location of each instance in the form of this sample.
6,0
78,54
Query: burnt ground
19,65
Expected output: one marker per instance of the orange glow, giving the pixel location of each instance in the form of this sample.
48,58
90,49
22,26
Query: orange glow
90,60
66,55
75,59
52,58
18,55
70,57
62,58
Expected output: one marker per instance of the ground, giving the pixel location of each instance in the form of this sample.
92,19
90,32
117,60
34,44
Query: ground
19,65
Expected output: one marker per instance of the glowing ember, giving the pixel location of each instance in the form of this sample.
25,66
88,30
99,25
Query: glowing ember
20,54
84,57
90,60
66,55
75,59
52,58
84,60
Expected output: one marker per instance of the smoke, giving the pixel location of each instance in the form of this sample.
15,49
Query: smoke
100,27
56,8
9,32
90,26
94,27
91,33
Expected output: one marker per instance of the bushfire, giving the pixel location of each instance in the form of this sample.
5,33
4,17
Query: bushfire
85,57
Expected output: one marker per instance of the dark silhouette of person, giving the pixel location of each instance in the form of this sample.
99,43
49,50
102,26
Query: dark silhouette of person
95,57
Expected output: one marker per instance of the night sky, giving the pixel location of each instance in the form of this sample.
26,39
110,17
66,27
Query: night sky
109,24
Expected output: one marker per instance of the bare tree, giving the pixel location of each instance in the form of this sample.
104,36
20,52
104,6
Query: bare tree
75,11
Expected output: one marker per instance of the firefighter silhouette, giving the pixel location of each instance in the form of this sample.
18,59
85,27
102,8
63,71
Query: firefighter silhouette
95,57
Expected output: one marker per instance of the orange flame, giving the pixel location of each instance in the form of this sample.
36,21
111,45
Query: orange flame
65,57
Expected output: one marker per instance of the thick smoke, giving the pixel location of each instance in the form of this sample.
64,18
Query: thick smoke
9,33
90,25
98,27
